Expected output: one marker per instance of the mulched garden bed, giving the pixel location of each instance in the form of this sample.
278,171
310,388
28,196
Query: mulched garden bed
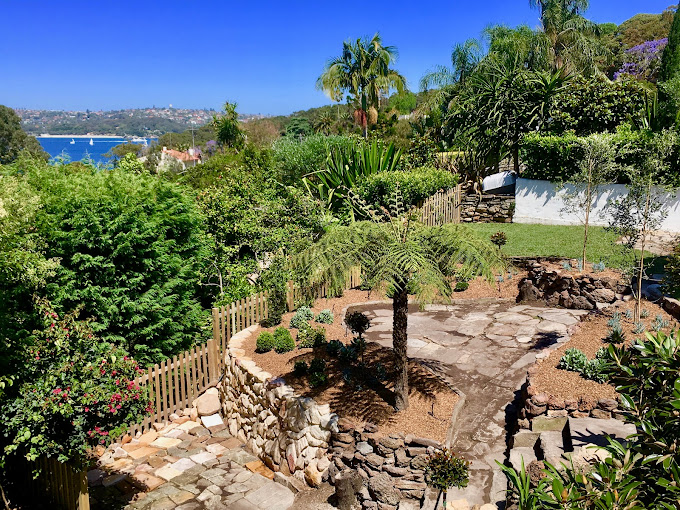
548,378
360,398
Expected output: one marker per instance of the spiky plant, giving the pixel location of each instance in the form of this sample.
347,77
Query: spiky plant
394,249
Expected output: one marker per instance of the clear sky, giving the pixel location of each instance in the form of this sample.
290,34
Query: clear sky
266,56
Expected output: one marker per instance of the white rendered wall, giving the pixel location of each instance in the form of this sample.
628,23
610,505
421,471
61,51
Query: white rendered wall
538,201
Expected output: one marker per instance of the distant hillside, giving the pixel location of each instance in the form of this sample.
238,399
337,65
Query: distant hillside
645,27
131,122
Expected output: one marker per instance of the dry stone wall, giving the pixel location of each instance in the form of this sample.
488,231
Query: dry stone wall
487,208
560,288
391,466
290,433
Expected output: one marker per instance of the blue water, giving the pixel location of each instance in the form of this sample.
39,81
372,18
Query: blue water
82,149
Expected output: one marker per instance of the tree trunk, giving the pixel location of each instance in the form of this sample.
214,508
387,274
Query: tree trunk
399,342
515,158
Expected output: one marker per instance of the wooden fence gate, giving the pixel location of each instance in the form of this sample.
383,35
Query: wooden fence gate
441,208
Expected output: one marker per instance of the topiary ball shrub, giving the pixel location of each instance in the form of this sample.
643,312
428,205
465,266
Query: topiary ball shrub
302,316
265,342
283,340
300,368
309,337
325,317
444,470
461,286
357,322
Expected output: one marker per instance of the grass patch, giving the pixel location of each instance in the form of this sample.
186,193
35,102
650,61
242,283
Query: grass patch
526,240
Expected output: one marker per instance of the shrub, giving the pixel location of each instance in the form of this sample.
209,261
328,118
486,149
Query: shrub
77,392
671,282
444,470
357,322
265,342
301,317
598,267
283,340
659,323
639,328
499,239
334,347
348,354
300,368
317,373
309,337
574,360
615,335
596,370
325,317
414,185
461,286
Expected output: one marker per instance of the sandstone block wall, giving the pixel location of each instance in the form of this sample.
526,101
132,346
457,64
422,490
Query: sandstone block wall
560,288
288,432
487,208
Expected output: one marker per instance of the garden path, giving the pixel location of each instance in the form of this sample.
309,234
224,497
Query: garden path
185,466
483,347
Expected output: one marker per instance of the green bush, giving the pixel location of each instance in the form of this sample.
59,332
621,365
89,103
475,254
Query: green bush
671,282
265,342
325,317
300,368
574,360
333,348
445,470
461,286
415,185
556,157
283,340
317,373
301,317
309,337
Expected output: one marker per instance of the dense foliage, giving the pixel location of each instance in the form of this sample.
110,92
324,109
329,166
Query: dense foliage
13,139
415,185
130,248
76,391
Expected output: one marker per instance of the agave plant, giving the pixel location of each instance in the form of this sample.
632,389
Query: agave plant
346,167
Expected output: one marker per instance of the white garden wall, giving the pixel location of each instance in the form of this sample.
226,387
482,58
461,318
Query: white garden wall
538,201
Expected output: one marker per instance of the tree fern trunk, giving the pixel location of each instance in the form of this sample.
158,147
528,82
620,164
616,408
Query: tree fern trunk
399,339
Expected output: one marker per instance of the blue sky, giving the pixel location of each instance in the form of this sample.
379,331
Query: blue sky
265,56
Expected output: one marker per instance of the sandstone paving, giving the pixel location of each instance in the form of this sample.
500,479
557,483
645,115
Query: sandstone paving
483,348
206,472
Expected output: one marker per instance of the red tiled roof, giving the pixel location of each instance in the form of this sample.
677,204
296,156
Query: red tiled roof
182,156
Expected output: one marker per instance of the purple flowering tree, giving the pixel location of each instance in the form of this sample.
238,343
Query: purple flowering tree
643,61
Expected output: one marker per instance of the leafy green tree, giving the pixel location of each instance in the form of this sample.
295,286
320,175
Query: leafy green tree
298,128
130,163
464,58
130,247
13,139
119,151
596,168
670,61
527,47
363,71
227,127
401,253
404,102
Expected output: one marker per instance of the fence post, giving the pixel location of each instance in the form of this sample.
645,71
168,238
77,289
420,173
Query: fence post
216,324
83,495
214,364
290,296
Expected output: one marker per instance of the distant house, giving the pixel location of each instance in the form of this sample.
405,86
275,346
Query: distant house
170,159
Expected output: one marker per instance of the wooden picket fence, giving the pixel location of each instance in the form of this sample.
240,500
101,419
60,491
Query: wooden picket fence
174,384
441,208
63,486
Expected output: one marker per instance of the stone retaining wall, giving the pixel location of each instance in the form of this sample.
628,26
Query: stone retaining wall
487,208
560,288
391,466
289,433
544,404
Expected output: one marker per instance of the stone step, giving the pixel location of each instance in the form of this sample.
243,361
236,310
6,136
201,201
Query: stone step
517,454
593,431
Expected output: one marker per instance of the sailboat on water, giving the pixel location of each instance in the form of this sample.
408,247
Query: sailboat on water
91,141
73,141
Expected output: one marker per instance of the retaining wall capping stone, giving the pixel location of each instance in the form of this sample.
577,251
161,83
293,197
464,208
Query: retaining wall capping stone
289,433
487,208
559,288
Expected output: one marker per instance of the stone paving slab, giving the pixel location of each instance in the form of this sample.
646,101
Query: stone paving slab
217,473
483,349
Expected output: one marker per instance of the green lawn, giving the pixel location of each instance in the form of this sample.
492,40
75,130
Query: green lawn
554,240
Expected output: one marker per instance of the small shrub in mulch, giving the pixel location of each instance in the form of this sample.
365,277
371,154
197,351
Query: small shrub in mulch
283,340
265,342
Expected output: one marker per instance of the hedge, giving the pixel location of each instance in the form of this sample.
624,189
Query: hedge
556,158
415,185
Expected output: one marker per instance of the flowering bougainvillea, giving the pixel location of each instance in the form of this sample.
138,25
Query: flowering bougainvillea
78,392
643,61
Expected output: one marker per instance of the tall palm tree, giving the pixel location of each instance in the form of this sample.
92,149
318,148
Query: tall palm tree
572,39
464,59
363,71
394,249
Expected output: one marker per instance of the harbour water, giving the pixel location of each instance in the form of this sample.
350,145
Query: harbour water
84,147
